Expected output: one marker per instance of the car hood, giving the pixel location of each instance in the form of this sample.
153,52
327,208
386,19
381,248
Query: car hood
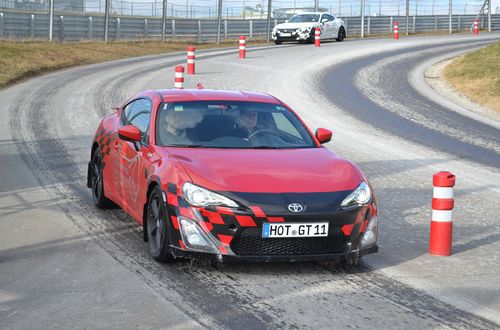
296,25
267,171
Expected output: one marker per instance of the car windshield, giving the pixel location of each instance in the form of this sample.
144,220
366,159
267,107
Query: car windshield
227,124
304,18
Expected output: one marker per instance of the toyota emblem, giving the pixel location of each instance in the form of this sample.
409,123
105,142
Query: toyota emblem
295,208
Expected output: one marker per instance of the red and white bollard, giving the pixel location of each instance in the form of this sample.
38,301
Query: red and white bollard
179,77
190,60
396,30
317,36
442,206
476,27
243,42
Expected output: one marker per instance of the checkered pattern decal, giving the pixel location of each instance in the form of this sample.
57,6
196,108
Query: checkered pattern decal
105,140
225,223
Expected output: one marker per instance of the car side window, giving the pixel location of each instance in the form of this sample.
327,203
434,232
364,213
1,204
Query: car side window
138,113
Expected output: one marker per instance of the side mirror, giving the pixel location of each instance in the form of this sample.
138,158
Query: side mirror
324,20
129,133
323,135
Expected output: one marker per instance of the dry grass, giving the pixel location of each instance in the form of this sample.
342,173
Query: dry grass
477,76
24,59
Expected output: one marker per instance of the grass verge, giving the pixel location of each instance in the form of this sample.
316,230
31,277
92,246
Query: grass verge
23,59
477,76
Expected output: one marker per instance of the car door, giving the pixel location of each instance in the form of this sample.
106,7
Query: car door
133,157
326,32
335,26
332,26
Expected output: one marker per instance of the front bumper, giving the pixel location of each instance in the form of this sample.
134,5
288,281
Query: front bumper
294,36
220,258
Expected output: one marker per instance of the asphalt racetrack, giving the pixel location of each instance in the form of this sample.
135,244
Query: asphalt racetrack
66,264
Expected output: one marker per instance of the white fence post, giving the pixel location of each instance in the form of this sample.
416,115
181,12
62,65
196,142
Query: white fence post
90,28
145,27
250,27
391,21
414,24
369,26
118,28
173,28
199,30
61,28
1,25
225,29
32,26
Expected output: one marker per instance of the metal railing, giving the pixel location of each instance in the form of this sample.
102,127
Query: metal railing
72,27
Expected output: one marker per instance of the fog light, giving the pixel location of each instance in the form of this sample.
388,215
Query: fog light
371,234
194,237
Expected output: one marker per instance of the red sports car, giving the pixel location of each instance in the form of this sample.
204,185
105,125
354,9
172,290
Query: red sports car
230,176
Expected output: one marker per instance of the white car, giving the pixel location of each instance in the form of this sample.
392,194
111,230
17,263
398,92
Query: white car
301,27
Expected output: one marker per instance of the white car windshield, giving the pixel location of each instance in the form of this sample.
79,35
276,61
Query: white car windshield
304,18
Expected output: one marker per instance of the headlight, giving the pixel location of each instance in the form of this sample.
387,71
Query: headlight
201,197
361,196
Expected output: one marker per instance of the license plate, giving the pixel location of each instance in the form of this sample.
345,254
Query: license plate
285,34
270,230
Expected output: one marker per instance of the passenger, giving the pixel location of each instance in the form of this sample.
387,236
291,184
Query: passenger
176,124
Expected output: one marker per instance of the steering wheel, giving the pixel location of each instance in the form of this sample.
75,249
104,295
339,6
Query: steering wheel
263,131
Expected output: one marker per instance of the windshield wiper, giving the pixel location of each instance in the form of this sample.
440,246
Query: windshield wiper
186,145
266,147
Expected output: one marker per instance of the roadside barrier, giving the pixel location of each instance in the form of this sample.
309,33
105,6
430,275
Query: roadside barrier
190,60
243,42
179,77
442,206
476,27
396,30
317,37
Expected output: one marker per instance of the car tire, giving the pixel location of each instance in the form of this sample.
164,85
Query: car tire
278,42
97,182
157,227
341,35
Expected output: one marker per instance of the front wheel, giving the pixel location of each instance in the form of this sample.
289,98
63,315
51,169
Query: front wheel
341,35
278,42
157,228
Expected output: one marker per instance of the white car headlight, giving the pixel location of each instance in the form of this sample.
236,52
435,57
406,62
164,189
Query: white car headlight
361,196
201,197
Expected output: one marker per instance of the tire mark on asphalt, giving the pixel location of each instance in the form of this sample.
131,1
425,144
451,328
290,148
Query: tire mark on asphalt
227,296
352,100
44,152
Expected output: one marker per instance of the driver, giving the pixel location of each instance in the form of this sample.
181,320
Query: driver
245,124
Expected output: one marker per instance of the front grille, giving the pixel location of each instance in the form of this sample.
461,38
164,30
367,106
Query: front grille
250,242
286,30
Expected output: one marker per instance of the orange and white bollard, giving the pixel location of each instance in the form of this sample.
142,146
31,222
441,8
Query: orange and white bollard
476,27
190,60
317,37
179,77
442,206
243,42
396,30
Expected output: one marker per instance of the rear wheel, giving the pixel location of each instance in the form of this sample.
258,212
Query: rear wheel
341,35
97,182
157,228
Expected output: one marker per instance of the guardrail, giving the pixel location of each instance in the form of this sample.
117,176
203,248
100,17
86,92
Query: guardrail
16,25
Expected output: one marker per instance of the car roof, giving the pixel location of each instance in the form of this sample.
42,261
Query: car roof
180,95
